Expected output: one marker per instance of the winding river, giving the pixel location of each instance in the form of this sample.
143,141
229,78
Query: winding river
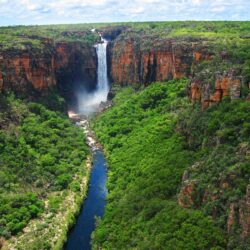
80,236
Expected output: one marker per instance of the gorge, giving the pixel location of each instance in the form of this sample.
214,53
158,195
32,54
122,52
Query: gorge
72,66
93,207
176,137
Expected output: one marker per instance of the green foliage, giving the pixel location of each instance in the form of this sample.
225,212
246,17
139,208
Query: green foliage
16,211
52,100
37,37
41,151
220,135
147,157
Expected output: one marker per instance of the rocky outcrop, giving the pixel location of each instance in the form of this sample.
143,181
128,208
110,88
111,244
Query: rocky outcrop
238,216
185,197
202,55
1,81
244,214
226,84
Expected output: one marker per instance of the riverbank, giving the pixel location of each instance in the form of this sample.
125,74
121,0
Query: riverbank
62,208
51,228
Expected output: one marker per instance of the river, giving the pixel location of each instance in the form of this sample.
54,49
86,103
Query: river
80,236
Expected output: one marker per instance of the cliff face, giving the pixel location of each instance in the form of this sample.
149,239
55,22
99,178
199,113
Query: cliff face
226,84
62,64
239,213
20,71
236,213
144,61
133,63
71,66
75,68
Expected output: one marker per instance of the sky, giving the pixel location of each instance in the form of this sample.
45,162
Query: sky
26,12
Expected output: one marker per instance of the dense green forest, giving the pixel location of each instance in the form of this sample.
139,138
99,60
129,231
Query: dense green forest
151,137
42,156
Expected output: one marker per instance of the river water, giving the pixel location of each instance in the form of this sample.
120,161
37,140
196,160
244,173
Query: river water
80,236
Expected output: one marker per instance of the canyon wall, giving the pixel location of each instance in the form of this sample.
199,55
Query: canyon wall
132,62
227,84
20,71
237,212
132,59
61,64
75,68
144,61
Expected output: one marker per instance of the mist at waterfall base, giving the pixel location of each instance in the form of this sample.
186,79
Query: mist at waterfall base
89,102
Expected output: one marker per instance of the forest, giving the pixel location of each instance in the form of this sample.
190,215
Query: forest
42,157
151,138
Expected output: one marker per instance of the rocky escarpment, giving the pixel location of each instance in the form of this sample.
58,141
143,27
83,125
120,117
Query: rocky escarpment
132,58
133,61
65,65
237,217
147,59
20,71
75,68
219,197
227,84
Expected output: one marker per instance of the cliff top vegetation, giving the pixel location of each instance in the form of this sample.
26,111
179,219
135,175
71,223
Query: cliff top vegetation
23,37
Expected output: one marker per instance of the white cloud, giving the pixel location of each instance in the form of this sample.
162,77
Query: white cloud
66,11
218,9
135,10
149,1
196,2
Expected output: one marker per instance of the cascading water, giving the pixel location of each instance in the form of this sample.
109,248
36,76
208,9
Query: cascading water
102,76
90,102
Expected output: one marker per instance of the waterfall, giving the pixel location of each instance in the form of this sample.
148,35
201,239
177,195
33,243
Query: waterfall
102,77
90,102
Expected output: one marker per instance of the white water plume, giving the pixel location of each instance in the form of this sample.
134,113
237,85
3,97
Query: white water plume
90,102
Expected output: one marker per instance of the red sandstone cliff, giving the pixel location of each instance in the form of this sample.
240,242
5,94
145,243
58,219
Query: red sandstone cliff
226,84
132,63
21,71
130,60
75,67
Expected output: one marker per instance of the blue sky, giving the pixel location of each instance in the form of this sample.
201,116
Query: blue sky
16,12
